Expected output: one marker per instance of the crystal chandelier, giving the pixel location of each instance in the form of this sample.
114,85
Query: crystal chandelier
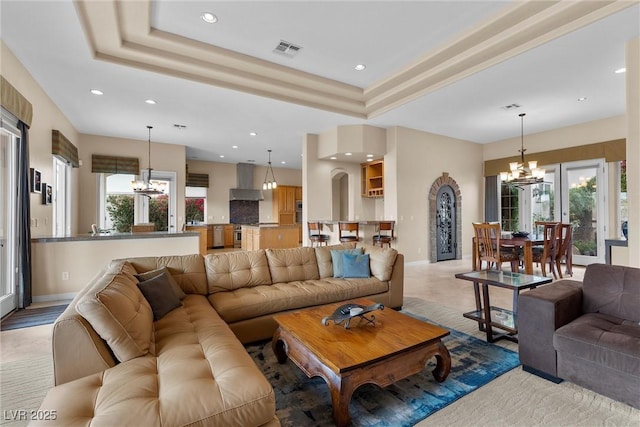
147,187
272,184
522,173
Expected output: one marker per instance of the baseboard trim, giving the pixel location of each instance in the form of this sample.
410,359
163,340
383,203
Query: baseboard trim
541,374
55,297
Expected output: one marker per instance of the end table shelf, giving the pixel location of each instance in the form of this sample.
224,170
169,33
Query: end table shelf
488,316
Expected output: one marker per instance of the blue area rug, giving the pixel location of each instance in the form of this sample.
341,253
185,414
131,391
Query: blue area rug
301,401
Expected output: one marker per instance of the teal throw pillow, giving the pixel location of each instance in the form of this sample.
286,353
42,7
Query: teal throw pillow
336,259
355,266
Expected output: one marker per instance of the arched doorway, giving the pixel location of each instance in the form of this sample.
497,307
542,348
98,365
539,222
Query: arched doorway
445,219
340,196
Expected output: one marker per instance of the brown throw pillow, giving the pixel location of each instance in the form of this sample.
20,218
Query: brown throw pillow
160,296
177,290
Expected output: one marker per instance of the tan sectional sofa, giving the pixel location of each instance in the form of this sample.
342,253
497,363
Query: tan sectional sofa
115,366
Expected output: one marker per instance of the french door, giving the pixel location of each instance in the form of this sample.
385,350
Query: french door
8,218
573,193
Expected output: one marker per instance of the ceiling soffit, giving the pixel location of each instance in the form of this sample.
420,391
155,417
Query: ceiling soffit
121,32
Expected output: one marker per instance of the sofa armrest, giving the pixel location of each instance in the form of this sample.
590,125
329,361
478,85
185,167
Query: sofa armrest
396,283
540,312
78,350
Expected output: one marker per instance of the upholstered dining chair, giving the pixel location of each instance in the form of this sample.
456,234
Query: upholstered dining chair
315,235
549,249
565,249
384,233
348,231
488,247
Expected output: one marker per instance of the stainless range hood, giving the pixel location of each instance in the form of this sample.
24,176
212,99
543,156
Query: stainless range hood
244,186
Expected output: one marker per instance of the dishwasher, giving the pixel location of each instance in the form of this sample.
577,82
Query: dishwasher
218,236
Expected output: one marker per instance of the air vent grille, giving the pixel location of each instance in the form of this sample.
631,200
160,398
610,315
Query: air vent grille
287,49
511,107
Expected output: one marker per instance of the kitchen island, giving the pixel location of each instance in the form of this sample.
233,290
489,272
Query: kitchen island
272,236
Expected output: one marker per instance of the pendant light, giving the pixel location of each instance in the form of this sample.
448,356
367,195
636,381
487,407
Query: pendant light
522,173
147,187
269,184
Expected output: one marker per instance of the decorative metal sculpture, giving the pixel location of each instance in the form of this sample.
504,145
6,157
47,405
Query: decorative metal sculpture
346,312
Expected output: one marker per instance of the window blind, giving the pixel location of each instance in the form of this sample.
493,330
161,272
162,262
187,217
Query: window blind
113,164
63,148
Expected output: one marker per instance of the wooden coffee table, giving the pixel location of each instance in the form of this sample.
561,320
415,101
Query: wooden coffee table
396,347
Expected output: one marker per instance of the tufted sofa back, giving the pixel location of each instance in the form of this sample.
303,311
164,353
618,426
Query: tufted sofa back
612,290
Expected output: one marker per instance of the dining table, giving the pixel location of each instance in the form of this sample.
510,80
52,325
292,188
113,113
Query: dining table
511,242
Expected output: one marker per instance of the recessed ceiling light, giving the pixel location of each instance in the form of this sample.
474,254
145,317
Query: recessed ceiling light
360,67
283,162
253,133
621,70
97,92
333,157
369,160
348,154
369,155
209,17
150,102
582,98
234,146
221,156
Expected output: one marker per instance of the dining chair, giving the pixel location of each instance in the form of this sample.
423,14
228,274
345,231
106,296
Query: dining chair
384,233
315,235
348,231
489,249
549,249
565,249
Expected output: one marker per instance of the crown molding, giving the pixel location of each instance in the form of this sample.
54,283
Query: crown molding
120,32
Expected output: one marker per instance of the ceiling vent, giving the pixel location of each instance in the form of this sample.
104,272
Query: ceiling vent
287,49
511,107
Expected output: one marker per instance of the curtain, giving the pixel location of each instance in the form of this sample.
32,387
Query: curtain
24,219
491,199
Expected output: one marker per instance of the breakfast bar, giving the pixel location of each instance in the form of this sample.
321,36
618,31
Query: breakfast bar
367,228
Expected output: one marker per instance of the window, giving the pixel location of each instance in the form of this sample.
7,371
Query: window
195,204
61,200
510,209
624,204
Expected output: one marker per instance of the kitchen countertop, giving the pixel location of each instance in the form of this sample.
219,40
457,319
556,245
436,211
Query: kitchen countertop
360,221
114,236
271,225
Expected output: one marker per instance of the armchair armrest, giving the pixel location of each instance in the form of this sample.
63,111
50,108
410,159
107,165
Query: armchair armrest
540,312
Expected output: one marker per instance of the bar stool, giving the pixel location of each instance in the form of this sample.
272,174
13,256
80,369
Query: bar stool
315,236
384,233
348,231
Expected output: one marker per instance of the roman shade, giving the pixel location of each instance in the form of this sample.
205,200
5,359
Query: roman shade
63,148
197,180
113,164
15,103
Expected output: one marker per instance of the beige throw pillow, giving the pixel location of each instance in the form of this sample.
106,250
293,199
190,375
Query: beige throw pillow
381,261
119,313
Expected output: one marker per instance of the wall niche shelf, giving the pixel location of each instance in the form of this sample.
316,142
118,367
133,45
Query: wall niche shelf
372,177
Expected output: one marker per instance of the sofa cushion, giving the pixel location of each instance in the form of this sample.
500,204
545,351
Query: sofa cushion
118,312
160,295
247,303
187,270
337,260
381,260
176,289
355,265
233,270
289,265
612,290
602,339
323,258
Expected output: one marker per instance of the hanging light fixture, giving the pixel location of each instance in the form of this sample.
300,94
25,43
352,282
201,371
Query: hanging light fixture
147,187
522,173
272,184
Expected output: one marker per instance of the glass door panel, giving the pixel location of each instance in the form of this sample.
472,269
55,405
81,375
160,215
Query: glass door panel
8,221
583,186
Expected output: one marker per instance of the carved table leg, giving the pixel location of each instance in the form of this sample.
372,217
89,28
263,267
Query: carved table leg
279,347
341,392
443,363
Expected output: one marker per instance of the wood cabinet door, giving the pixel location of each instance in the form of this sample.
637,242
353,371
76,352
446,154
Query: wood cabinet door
228,236
298,193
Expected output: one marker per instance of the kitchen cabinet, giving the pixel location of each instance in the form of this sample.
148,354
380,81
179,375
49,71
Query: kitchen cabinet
284,204
228,236
372,178
273,237
298,194
202,229
209,236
